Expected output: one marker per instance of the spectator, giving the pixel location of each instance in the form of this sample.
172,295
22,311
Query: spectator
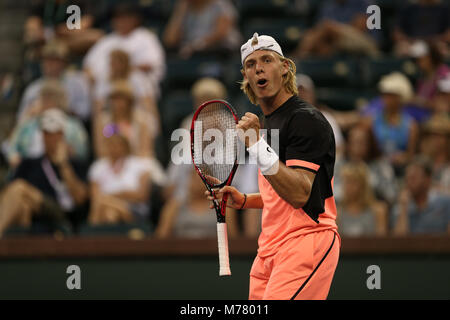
26,139
188,215
120,70
306,91
54,66
143,47
441,102
418,210
340,28
359,213
49,188
202,25
435,144
426,20
119,185
121,116
361,147
433,69
395,131
48,20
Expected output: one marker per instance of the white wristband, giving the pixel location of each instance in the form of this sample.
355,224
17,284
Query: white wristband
266,157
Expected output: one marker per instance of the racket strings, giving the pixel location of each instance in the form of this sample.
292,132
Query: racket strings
214,131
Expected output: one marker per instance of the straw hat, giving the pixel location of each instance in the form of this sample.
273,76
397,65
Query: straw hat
396,83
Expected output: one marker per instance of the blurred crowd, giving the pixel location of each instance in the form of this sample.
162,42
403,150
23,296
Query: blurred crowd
89,152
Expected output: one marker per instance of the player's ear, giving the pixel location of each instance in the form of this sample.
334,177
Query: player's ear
285,66
243,74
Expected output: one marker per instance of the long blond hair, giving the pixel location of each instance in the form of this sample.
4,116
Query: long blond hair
289,81
360,172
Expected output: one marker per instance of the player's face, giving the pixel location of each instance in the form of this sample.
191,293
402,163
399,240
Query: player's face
264,71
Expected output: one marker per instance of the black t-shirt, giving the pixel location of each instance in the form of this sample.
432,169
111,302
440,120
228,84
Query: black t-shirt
31,170
306,141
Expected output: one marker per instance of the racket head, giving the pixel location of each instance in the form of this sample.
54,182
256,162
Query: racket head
220,116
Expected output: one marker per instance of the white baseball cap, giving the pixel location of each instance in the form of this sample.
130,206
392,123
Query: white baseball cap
258,42
419,49
444,84
53,120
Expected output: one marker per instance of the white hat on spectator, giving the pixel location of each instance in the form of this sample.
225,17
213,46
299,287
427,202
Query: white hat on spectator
208,88
444,84
258,42
53,120
304,81
419,49
396,83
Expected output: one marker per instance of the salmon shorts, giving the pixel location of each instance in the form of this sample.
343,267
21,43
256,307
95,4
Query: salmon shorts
302,269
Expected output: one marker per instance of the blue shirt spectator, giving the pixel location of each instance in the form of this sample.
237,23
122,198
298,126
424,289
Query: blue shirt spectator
433,218
418,209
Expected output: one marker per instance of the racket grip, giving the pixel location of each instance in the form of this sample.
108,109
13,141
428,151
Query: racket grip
222,239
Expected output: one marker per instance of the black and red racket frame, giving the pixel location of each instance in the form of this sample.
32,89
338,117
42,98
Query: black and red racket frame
220,209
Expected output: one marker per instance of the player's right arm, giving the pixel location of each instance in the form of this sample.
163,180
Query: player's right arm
237,199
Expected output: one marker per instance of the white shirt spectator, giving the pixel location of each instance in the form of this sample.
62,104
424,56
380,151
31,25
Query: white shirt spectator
127,179
143,47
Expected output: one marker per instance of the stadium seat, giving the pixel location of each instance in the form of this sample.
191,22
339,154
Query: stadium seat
257,8
344,99
374,69
333,72
175,105
287,32
182,73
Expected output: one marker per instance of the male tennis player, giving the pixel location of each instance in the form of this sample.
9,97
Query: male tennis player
299,244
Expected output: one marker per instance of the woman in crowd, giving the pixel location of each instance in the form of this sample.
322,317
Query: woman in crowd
361,147
119,185
121,116
122,71
359,213
188,215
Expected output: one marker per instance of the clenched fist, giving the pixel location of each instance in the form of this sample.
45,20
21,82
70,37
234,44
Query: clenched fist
248,129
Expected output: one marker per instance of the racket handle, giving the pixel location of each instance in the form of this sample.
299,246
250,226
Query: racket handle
222,239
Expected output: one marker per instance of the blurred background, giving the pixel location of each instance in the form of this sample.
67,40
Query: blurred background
89,103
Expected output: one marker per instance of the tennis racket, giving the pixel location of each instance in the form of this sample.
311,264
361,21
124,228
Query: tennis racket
214,153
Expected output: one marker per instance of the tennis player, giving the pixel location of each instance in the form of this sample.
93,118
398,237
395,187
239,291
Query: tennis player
299,244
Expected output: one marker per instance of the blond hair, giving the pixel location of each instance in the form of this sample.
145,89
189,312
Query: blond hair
360,172
54,89
289,81
208,88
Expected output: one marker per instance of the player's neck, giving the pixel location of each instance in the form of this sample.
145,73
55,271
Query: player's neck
269,105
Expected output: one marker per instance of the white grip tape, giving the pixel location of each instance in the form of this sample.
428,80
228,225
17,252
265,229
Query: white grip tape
266,157
222,239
